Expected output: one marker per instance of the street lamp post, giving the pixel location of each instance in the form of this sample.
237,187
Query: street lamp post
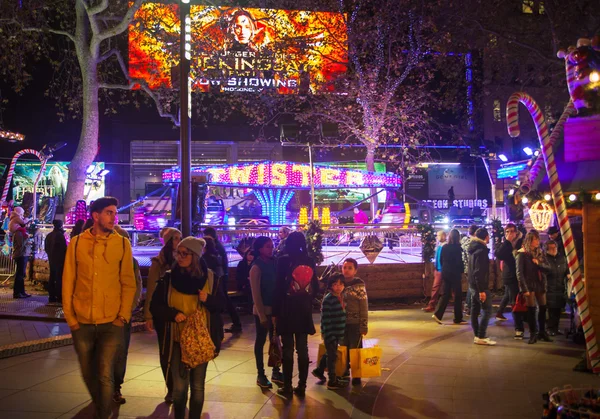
185,126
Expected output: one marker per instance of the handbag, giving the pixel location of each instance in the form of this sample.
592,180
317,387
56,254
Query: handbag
275,352
196,345
520,305
341,360
366,362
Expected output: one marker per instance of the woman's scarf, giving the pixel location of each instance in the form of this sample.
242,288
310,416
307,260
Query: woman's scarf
185,282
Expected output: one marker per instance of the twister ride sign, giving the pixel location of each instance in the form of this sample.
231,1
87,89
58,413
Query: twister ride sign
289,175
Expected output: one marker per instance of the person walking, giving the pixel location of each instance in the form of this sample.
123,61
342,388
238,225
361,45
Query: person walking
296,287
262,284
236,326
513,240
464,243
242,275
158,267
437,276
531,269
97,295
479,279
556,286
77,228
188,287
121,362
452,270
56,249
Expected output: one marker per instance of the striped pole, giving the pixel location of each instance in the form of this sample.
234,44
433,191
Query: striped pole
561,211
532,174
11,170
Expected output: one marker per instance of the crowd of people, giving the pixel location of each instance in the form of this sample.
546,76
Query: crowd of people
534,278
98,282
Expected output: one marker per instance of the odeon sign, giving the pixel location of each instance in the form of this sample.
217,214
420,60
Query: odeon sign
268,174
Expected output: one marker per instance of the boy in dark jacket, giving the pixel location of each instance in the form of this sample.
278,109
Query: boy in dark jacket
56,249
333,327
513,241
479,278
357,310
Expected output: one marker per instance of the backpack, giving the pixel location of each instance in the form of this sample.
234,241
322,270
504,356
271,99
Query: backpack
299,280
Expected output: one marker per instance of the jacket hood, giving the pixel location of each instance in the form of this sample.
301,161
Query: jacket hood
477,244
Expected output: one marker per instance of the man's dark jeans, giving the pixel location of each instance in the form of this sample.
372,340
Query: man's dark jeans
329,358
55,284
480,328
19,287
97,347
235,317
301,343
184,379
121,361
353,340
259,344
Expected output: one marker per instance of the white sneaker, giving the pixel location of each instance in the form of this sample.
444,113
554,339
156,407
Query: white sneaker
485,341
438,321
475,339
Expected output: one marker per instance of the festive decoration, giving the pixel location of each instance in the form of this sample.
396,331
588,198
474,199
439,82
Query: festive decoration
565,227
282,175
582,63
316,213
371,247
326,216
11,136
303,216
427,241
314,241
541,215
11,170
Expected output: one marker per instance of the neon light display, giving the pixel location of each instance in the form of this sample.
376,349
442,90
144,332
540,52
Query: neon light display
511,171
240,49
284,175
273,203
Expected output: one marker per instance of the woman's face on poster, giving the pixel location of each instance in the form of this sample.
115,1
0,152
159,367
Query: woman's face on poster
243,29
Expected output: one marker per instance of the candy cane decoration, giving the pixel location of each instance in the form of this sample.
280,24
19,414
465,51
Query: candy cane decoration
530,177
561,211
11,171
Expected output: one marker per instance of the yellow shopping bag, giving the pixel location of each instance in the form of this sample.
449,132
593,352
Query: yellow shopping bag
341,360
365,362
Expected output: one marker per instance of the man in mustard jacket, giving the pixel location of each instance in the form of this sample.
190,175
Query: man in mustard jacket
98,291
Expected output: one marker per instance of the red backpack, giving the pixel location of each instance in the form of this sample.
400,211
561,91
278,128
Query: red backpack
300,280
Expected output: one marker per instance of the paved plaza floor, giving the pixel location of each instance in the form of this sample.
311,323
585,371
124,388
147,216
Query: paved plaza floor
431,371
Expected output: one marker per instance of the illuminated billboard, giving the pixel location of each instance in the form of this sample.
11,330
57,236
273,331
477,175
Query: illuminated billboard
53,182
283,175
240,50
349,195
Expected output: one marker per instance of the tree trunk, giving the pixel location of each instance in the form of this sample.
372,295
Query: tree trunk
88,140
87,149
371,168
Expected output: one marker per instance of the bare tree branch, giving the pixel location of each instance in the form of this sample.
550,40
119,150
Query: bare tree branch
40,30
123,24
97,9
109,54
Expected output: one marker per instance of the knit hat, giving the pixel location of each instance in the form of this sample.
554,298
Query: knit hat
193,244
552,230
167,234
